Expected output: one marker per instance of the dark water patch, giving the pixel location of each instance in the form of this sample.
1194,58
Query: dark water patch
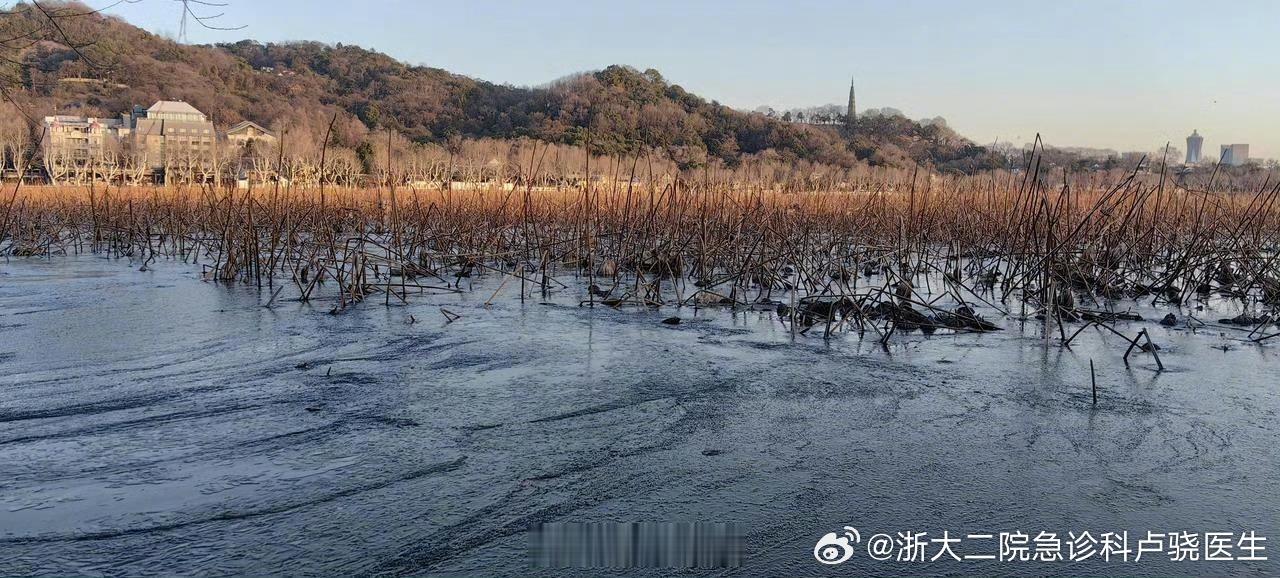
446,543
91,408
345,378
305,436
386,420
480,427
772,345
161,368
239,449
668,391
599,408
202,389
34,311
433,469
133,424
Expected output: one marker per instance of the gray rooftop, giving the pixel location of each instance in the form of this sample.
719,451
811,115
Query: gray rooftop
173,107
246,124
151,126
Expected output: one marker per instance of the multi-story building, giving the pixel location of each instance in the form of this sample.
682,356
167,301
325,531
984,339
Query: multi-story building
170,139
1235,154
75,148
173,137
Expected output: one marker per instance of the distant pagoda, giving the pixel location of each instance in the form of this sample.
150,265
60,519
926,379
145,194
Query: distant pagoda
851,114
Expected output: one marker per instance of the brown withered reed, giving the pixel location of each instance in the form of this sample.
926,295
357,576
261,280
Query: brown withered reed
907,252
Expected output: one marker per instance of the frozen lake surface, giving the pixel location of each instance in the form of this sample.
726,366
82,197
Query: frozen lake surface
155,424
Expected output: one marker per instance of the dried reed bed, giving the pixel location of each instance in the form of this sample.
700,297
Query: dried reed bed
904,253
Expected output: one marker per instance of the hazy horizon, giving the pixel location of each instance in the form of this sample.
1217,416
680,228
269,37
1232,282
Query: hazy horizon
1082,75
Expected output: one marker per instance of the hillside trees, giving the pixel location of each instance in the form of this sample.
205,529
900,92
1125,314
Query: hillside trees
297,88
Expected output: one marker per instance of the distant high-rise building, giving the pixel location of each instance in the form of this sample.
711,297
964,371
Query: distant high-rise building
1235,155
1194,143
851,114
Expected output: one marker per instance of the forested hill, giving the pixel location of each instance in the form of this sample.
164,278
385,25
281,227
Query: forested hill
300,85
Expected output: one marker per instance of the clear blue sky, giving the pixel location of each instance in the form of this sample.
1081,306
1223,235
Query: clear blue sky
1129,75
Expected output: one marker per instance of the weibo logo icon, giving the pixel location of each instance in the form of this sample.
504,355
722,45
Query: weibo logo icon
835,548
